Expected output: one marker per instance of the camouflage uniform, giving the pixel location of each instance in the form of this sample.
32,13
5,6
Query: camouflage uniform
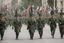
40,25
17,26
61,25
52,22
52,26
2,26
31,25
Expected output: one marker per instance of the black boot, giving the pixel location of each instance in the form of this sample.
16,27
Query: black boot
52,34
61,36
40,35
2,34
17,34
32,36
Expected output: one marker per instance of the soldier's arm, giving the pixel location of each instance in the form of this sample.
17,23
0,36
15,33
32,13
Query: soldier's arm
59,21
55,22
28,25
49,21
36,23
43,22
4,23
20,23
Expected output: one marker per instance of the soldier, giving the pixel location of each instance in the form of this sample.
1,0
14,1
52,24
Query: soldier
52,22
61,24
17,25
40,25
31,25
2,26
61,21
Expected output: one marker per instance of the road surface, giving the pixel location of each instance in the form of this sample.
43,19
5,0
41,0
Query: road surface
24,37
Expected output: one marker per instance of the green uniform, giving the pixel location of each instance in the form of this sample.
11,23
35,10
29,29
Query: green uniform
31,24
17,26
2,27
31,27
61,26
40,25
52,23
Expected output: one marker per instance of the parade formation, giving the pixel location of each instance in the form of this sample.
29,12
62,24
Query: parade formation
34,21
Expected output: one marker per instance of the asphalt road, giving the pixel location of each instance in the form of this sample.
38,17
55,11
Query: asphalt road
24,37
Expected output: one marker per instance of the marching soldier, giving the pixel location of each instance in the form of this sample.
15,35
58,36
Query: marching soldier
61,24
40,25
61,21
31,25
17,25
2,26
52,22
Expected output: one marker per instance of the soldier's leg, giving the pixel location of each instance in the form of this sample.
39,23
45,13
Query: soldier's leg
19,30
51,29
32,35
61,32
52,32
17,34
62,35
2,34
41,33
